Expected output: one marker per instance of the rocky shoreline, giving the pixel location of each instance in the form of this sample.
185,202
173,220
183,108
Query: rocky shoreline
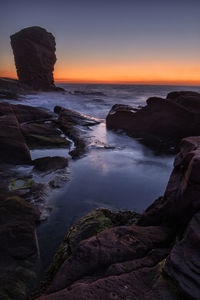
22,204
105,255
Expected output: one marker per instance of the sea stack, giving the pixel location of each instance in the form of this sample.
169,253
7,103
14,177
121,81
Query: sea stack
34,52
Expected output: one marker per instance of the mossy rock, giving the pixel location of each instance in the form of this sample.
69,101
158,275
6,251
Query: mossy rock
35,141
88,226
21,183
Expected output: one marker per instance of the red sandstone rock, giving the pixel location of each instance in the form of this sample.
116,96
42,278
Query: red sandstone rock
111,246
34,52
182,196
142,284
183,263
162,121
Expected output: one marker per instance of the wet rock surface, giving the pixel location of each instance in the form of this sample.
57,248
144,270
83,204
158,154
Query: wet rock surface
34,52
73,125
152,121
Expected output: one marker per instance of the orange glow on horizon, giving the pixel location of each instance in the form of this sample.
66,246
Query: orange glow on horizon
166,73
130,72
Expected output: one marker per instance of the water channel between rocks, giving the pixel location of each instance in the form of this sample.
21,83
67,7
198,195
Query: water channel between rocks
118,172
123,175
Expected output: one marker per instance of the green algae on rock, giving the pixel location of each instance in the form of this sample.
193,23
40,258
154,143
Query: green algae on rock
88,226
21,183
40,141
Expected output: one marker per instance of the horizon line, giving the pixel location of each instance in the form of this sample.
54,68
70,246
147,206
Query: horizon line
125,82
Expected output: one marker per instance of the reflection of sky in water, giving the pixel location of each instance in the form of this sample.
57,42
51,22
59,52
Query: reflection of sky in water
129,178
118,172
120,179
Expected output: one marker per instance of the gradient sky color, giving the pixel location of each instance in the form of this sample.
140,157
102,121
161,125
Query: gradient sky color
139,41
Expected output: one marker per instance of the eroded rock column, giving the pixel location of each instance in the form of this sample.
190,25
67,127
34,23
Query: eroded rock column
34,53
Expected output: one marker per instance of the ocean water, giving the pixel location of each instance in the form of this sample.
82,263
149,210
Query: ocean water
118,172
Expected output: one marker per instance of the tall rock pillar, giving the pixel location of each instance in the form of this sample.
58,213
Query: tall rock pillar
34,52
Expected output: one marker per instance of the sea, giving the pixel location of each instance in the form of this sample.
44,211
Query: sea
118,172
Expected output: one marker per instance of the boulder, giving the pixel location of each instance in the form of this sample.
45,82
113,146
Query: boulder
50,163
34,53
161,123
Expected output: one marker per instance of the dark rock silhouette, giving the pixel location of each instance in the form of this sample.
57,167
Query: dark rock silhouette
162,122
34,52
50,163
13,148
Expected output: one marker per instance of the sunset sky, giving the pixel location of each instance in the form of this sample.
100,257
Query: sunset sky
130,41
